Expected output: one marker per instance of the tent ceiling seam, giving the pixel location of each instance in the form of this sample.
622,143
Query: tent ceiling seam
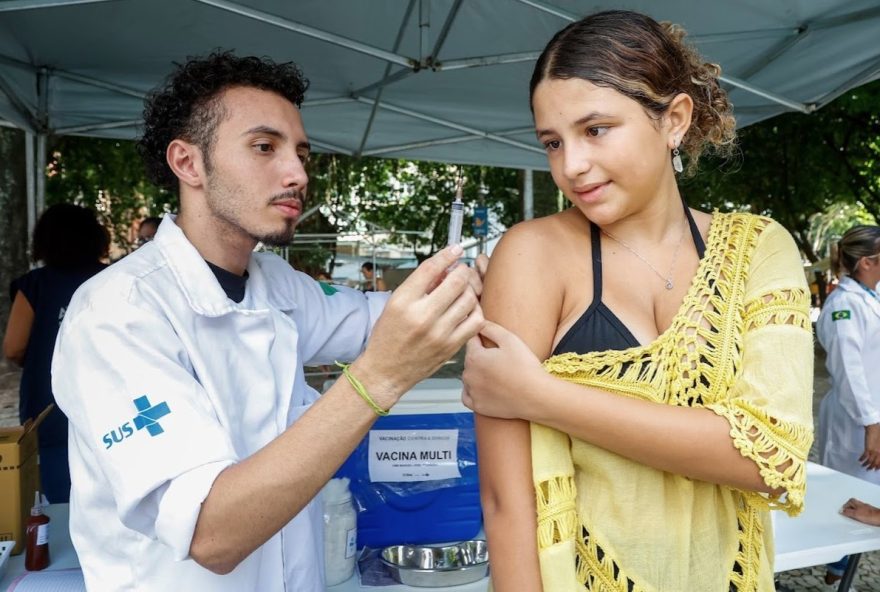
550,9
845,19
385,78
87,127
308,31
99,83
444,31
329,146
865,75
490,60
776,51
452,125
401,74
19,105
19,5
709,38
442,141
328,101
747,86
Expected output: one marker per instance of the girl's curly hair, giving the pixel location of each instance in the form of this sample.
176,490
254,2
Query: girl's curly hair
187,105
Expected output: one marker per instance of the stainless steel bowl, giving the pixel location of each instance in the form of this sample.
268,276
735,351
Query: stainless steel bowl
435,567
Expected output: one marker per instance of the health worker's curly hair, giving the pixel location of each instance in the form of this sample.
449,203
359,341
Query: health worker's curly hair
188,106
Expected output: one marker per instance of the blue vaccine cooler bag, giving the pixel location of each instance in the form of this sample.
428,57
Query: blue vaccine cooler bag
414,476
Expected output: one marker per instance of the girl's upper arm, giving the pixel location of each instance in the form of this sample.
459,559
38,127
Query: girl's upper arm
518,295
521,291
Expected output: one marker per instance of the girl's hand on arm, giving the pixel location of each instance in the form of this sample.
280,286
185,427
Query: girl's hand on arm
504,377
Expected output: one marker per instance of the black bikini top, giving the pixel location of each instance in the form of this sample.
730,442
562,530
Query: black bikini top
599,329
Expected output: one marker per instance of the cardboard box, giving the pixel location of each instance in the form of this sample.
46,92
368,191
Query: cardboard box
19,478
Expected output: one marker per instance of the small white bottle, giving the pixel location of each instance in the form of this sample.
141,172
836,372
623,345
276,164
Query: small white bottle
340,532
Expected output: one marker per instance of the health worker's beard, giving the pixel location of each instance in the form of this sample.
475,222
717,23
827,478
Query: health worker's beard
223,202
283,238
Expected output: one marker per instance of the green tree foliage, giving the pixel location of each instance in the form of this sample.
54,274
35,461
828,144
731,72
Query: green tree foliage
419,199
794,166
831,224
13,215
850,130
107,176
773,176
403,197
354,194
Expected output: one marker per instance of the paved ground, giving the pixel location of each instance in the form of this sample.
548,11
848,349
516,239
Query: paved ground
802,580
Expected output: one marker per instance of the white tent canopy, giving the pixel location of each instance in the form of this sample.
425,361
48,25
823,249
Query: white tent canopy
442,80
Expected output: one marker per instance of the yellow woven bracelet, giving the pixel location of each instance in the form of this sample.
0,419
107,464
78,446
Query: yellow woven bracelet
359,388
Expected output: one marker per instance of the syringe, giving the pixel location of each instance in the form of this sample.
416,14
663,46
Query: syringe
456,219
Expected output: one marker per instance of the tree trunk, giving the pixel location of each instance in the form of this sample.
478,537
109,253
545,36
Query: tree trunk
13,215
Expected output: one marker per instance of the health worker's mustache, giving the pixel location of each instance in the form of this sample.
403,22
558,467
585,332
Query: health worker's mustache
288,195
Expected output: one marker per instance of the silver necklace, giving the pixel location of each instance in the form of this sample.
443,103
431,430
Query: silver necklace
668,277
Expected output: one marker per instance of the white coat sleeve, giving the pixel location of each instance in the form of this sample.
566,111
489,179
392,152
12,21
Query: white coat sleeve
334,322
122,376
843,336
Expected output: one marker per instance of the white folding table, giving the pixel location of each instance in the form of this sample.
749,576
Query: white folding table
819,535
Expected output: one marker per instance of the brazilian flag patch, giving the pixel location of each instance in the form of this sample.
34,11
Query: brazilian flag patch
841,315
330,290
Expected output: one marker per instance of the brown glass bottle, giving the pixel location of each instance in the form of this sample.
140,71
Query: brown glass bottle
36,538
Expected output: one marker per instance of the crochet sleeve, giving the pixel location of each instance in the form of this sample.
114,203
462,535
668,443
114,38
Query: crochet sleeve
769,406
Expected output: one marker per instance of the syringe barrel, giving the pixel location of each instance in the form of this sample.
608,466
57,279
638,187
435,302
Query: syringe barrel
456,219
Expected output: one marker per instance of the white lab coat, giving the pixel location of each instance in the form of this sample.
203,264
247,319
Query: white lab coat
853,348
220,380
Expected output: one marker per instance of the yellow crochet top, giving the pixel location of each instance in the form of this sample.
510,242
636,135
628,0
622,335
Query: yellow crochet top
740,345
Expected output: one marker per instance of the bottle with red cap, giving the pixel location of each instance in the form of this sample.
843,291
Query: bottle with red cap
37,538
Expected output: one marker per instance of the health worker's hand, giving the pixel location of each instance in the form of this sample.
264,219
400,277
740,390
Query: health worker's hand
428,318
482,264
502,376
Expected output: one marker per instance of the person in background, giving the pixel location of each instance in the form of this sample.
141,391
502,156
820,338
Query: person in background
849,330
70,242
147,230
672,409
198,450
372,281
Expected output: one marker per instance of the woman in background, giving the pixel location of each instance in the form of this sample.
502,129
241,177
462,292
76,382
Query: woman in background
849,330
70,242
673,406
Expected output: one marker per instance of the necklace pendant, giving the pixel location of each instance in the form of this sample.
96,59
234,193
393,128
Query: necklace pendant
669,285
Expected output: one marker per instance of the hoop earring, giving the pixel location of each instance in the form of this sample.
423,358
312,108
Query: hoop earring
676,160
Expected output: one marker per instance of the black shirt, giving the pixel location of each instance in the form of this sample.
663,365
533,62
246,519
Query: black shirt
233,284
48,290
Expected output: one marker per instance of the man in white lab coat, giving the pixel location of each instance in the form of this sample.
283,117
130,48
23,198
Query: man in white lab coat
197,448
